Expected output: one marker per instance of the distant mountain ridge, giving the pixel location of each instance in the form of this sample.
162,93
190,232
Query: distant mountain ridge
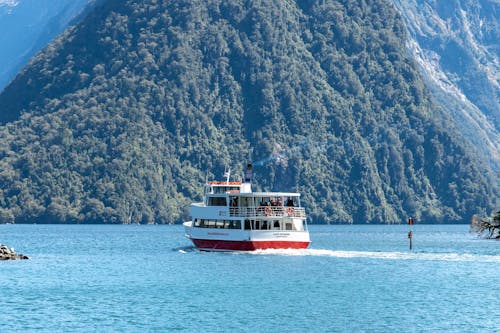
122,117
457,45
26,26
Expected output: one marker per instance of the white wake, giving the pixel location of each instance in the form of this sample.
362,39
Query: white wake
382,255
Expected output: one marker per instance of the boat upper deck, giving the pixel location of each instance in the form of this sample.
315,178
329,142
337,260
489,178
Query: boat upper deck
261,204
236,199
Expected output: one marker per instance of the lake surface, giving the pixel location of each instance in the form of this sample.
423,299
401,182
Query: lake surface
130,278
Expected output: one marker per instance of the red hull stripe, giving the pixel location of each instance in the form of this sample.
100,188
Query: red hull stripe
247,245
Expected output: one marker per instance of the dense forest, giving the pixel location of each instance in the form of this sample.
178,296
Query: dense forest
122,118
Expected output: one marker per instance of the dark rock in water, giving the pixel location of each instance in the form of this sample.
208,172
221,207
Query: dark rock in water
7,253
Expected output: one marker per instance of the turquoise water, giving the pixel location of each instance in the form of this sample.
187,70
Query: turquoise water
128,278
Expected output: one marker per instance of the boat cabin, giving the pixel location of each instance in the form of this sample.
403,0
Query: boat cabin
234,206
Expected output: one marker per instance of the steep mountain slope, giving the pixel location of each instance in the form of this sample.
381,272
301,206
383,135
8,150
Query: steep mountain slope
456,44
26,26
118,120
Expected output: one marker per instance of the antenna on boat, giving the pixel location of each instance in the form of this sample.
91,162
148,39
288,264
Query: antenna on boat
227,174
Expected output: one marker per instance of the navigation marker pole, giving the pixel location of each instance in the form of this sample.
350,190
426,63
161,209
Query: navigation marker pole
410,234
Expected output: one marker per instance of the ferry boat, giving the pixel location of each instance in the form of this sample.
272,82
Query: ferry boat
233,218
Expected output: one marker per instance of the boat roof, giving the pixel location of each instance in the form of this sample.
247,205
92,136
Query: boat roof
224,183
265,194
234,192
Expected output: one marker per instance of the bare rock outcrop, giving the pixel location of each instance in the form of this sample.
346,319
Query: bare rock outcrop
7,253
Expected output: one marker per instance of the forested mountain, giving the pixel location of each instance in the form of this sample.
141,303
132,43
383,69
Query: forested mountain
456,44
121,117
26,26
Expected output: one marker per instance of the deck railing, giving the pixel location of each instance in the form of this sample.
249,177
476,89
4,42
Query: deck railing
268,211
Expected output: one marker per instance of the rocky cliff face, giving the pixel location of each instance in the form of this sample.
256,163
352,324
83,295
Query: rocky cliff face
456,44
27,26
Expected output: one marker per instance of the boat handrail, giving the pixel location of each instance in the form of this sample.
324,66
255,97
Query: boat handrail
268,211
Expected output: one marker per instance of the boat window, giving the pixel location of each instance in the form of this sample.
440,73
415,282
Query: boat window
256,224
276,224
229,224
224,189
219,224
233,202
288,226
247,225
217,201
264,225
